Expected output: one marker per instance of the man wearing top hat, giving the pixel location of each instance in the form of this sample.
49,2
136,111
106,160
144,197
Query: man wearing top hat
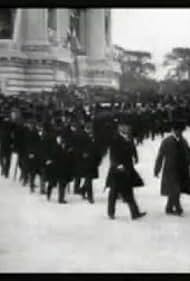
174,157
122,175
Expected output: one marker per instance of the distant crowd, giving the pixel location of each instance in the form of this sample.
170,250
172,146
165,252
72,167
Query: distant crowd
63,135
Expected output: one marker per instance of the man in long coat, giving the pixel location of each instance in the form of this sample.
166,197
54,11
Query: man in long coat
122,176
34,155
174,156
87,160
64,167
7,142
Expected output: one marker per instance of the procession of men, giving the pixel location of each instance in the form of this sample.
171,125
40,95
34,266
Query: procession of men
61,144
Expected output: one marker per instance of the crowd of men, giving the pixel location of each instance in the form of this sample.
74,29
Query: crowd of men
63,143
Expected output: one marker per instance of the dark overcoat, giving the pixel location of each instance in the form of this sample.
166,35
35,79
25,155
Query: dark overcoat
123,152
7,139
87,157
49,147
174,156
64,163
34,151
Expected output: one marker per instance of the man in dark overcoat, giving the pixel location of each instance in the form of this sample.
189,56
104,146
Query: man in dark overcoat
174,156
122,175
64,167
61,168
34,154
49,144
7,143
71,135
87,159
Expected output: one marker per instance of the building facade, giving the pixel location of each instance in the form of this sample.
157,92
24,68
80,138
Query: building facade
41,48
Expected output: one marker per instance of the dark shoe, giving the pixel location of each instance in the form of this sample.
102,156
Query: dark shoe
112,217
91,201
48,196
25,182
139,215
83,195
179,212
32,189
63,202
169,212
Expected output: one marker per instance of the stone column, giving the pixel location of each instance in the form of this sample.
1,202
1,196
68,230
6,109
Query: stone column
63,21
82,29
35,29
109,28
95,33
17,30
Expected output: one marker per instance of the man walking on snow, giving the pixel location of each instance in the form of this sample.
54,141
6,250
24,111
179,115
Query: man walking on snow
174,156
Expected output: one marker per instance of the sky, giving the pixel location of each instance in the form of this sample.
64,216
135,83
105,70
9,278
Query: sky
153,30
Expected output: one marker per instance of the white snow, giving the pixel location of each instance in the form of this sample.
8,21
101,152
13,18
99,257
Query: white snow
41,236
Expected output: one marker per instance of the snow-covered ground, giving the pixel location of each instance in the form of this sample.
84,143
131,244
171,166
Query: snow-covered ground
41,236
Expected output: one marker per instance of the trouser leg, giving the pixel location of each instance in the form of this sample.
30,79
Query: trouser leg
49,190
170,204
174,203
32,178
89,190
42,183
7,165
25,171
133,207
77,185
84,190
177,204
3,165
22,168
61,191
112,197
